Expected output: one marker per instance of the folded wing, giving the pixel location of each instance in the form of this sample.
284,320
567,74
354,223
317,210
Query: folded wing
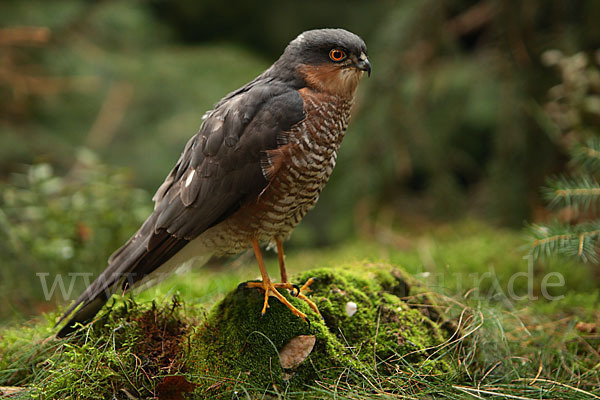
218,171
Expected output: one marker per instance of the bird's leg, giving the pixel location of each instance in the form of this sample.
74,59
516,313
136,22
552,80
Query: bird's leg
268,286
281,258
304,288
284,279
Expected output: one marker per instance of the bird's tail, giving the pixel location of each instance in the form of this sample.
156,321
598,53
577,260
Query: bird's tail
97,294
85,308
83,315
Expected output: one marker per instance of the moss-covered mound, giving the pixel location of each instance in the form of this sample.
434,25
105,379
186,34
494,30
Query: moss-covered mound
369,334
368,330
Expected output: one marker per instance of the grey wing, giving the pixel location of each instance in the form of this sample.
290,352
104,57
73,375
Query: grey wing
219,169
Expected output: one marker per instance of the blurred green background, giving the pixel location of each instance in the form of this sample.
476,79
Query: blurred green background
101,96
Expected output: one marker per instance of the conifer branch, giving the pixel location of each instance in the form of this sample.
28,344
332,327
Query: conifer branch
579,241
587,155
578,192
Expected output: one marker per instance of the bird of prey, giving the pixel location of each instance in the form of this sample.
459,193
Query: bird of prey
257,165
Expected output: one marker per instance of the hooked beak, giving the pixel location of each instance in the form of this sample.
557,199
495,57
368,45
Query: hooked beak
364,65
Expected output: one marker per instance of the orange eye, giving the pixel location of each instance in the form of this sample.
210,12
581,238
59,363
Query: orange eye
337,55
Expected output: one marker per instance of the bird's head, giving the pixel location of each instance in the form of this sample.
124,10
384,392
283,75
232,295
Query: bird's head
329,60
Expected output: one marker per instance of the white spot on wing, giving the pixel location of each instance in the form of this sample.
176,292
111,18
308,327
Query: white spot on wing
190,178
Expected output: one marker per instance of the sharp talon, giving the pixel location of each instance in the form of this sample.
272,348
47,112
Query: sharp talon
297,291
270,289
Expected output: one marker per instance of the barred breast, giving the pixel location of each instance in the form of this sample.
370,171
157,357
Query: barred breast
297,172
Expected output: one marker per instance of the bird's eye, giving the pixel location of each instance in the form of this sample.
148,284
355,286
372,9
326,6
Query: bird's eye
337,55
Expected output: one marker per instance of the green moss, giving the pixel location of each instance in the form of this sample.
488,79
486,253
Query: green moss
237,349
127,351
132,347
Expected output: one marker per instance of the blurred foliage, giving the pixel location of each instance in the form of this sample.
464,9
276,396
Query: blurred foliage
268,26
101,75
62,226
571,118
445,127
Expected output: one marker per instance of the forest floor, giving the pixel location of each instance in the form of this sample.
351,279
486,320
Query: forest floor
503,326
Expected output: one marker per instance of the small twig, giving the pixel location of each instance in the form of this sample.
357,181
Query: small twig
110,116
10,390
24,35
470,391
564,385
487,373
541,367
375,341
589,346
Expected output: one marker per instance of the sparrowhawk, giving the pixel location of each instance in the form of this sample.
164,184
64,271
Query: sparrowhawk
257,165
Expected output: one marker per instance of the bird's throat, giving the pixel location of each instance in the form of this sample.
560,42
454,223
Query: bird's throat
332,79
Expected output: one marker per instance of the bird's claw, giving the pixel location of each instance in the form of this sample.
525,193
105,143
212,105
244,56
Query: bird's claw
271,288
298,292
305,288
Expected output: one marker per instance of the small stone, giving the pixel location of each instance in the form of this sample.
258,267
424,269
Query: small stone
351,308
296,351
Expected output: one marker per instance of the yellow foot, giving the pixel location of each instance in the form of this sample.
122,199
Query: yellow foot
305,289
271,288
